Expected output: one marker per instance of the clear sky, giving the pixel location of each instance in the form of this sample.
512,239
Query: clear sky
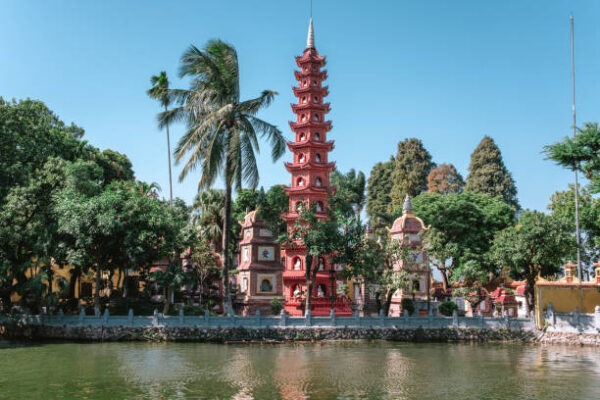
446,72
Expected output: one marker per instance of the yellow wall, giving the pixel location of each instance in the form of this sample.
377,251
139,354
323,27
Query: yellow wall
565,298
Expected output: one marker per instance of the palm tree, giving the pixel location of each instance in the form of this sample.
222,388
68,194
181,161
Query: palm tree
160,92
221,135
208,215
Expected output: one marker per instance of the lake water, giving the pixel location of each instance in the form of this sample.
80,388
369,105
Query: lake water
357,370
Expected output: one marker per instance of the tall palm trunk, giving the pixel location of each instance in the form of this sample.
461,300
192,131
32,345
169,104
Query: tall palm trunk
226,240
311,272
169,158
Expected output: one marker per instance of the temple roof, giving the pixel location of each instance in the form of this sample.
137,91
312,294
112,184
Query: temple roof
408,222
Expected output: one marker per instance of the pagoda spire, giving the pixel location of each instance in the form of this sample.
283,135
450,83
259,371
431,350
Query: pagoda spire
310,40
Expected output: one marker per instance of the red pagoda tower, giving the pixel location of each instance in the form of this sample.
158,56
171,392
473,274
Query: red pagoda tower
310,171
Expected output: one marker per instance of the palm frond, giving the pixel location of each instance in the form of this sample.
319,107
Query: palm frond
271,133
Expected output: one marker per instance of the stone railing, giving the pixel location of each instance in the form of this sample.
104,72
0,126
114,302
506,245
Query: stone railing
283,320
573,322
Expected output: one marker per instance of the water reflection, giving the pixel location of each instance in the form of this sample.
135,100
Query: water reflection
377,370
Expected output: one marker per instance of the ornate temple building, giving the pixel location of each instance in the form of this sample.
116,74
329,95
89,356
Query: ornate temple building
407,230
310,187
259,279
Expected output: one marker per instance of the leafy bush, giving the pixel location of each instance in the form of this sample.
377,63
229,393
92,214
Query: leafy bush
408,305
276,305
447,307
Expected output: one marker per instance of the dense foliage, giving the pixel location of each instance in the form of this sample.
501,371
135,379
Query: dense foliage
488,174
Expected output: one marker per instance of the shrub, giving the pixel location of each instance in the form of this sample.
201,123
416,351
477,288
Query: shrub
447,307
408,305
276,305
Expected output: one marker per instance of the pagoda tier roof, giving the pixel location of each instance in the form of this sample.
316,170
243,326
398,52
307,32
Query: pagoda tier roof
310,55
326,125
323,107
295,274
310,165
306,190
327,146
321,75
322,91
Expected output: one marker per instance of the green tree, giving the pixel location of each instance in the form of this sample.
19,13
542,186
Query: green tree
351,187
274,203
488,174
318,238
562,205
208,216
30,133
379,188
372,262
581,153
537,245
461,230
445,179
160,91
411,167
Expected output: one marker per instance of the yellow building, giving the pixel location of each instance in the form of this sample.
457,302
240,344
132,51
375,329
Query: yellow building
567,293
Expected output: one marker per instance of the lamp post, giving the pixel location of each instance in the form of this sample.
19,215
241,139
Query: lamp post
332,280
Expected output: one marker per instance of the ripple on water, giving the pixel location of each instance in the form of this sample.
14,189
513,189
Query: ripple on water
379,370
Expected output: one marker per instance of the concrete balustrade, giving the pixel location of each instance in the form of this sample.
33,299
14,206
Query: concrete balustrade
284,320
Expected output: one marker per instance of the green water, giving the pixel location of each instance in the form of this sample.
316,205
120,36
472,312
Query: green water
361,370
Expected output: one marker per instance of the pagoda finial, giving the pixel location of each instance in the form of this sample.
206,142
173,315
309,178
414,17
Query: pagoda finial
310,40
407,207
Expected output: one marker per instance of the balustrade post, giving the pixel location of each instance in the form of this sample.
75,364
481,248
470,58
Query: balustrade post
576,318
454,319
61,314
181,316
81,315
155,318
550,317
282,318
258,319
97,313
130,316
307,318
480,315
106,315
597,317
356,318
332,317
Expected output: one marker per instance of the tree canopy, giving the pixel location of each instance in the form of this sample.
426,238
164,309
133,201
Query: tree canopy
412,164
489,175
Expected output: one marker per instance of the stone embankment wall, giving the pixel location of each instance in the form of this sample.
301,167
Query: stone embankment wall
264,335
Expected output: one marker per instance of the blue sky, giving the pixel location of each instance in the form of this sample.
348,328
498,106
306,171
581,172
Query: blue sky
446,72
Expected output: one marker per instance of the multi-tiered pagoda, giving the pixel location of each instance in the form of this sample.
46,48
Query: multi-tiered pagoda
310,187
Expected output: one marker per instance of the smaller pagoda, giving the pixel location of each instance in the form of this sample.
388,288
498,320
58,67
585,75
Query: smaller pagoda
259,279
407,229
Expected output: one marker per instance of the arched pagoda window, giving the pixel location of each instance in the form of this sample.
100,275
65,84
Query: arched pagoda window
317,136
316,117
304,100
300,182
297,264
301,158
315,99
302,137
319,206
303,117
318,182
317,157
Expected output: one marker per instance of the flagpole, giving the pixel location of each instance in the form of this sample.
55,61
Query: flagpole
577,230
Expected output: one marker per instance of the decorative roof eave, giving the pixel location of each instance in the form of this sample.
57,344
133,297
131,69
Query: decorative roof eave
327,146
321,75
312,166
327,125
308,190
310,56
322,107
323,91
